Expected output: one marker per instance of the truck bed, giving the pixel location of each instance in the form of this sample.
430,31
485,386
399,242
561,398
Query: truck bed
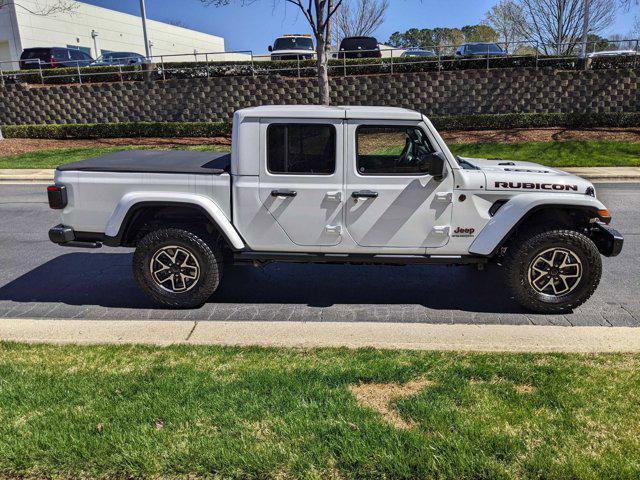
155,161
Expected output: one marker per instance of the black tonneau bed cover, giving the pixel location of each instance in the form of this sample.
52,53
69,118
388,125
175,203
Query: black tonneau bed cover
155,161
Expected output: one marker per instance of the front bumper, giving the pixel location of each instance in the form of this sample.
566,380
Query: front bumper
67,237
608,240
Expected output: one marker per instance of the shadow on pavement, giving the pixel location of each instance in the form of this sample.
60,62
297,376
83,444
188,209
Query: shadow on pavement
105,279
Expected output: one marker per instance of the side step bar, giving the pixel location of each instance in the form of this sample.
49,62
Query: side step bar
371,259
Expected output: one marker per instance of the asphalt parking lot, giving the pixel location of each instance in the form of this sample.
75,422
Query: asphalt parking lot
41,280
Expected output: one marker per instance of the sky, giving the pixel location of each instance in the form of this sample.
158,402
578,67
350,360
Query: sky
254,27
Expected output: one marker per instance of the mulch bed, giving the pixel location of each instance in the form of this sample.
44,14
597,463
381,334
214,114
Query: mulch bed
16,146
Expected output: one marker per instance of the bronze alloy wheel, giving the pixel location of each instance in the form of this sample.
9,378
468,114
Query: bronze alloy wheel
555,271
175,269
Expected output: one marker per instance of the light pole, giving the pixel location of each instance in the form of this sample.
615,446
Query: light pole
143,14
94,35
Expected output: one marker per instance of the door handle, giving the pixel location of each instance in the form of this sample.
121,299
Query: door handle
283,193
364,194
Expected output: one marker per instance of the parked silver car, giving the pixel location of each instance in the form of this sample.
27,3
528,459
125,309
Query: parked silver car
119,58
428,52
480,49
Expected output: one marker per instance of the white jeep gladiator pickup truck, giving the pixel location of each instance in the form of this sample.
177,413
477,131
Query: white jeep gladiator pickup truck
359,185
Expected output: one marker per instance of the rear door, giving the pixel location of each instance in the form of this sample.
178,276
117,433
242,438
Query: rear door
301,178
32,58
390,198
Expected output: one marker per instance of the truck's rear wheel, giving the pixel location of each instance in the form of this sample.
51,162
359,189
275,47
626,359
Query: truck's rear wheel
178,268
553,271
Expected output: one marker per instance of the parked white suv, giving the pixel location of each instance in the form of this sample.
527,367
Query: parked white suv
360,185
292,47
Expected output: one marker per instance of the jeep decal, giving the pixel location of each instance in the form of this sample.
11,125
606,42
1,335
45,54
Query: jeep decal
464,232
536,186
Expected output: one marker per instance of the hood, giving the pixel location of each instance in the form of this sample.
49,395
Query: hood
513,175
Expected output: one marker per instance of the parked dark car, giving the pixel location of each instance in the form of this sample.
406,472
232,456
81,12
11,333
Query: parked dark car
359,47
35,58
429,52
480,49
119,58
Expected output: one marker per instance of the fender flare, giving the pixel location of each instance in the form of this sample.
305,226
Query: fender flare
518,209
132,201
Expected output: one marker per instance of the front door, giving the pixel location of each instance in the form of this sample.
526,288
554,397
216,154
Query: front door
301,179
390,198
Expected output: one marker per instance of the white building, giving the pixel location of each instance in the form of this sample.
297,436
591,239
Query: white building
96,30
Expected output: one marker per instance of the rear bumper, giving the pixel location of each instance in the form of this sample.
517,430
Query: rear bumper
65,236
608,240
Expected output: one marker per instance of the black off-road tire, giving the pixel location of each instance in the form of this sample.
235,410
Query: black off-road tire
526,248
204,249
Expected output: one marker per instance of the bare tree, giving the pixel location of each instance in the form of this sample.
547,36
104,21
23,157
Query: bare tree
176,22
318,14
360,17
506,17
60,6
557,25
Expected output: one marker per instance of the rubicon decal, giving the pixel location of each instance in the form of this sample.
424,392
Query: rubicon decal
537,186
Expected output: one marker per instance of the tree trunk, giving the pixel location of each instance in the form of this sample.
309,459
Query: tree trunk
323,72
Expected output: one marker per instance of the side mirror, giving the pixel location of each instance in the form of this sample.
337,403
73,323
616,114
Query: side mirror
436,165
270,48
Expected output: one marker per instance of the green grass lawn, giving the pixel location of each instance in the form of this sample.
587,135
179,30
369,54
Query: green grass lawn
572,153
223,412
54,157
553,154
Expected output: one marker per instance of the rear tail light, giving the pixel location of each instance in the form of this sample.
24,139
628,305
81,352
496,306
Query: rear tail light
57,195
52,61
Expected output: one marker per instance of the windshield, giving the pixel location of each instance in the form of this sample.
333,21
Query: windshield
40,53
110,57
293,43
359,43
484,48
419,53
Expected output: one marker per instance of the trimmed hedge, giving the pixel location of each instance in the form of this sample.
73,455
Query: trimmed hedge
216,129
119,130
536,120
306,68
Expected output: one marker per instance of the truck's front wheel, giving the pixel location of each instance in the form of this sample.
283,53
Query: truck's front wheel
553,271
178,268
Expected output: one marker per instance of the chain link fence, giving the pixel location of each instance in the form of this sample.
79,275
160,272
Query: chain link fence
600,55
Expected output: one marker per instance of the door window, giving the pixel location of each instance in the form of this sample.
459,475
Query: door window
301,149
383,150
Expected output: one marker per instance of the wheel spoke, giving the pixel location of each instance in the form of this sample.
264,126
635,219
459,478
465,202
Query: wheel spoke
544,278
539,270
563,278
542,259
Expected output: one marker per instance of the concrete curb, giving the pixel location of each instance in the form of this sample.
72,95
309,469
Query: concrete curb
598,174
416,336
26,175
